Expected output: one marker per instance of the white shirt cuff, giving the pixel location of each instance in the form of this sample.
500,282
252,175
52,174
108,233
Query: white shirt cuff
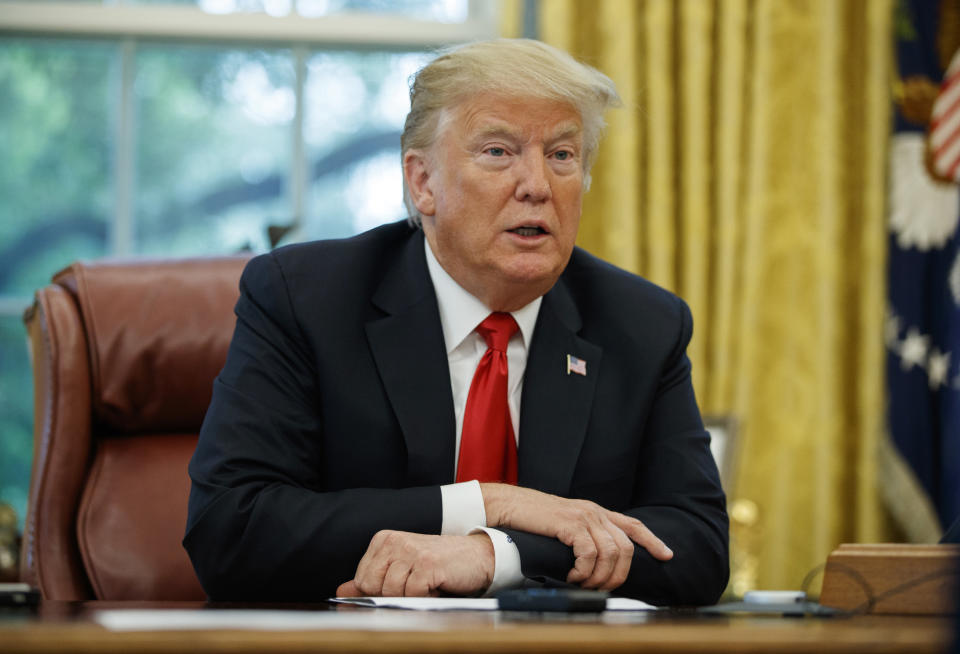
462,508
506,561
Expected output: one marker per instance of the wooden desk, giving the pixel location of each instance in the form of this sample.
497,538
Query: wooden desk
66,627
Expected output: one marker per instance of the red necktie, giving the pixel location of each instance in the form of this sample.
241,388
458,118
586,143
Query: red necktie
488,451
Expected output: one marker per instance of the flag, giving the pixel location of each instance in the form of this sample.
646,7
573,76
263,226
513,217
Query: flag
576,365
922,331
945,125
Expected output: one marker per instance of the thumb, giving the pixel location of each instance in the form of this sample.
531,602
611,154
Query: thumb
348,589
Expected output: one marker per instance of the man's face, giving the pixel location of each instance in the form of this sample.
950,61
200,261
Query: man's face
500,193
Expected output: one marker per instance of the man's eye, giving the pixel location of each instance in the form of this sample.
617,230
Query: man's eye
562,155
496,152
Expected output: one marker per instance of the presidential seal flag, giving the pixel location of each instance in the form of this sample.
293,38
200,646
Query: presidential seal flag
922,333
945,125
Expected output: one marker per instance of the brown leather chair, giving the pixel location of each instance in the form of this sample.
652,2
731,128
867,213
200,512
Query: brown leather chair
124,357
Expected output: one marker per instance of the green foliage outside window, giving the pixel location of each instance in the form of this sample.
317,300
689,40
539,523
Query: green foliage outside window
211,147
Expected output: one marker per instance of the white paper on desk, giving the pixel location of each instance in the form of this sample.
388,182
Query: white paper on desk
267,620
468,603
423,603
627,604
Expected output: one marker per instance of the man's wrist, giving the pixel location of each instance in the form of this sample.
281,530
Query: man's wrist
487,556
492,503
507,571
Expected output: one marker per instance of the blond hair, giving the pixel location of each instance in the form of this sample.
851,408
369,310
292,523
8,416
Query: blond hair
521,68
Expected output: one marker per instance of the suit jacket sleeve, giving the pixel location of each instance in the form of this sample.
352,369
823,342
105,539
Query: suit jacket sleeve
676,493
261,524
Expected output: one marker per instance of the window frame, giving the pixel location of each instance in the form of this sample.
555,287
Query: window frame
178,22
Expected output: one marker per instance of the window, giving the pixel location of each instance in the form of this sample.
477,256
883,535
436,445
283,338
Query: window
193,127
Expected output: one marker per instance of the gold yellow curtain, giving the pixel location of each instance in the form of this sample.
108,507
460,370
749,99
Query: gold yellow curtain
746,172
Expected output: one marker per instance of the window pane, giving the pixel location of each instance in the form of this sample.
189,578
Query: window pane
16,415
447,11
56,191
355,107
213,148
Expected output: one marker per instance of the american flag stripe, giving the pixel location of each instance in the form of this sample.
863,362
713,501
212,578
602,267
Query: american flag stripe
945,113
952,169
945,124
950,83
948,154
576,365
947,132
950,92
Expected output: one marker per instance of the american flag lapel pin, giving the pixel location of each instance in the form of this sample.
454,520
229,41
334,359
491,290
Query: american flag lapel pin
576,365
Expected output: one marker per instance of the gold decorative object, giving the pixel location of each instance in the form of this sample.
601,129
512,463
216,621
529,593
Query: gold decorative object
916,97
745,538
9,544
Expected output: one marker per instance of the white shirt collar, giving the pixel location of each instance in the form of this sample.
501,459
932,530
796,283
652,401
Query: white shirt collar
461,312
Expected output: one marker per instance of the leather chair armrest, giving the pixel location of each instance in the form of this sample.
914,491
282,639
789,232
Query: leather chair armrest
62,422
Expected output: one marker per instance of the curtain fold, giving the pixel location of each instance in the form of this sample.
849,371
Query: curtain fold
746,172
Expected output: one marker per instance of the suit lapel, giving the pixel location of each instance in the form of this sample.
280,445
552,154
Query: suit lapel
407,345
555,407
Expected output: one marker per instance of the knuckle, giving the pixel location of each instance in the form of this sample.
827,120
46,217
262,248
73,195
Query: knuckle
567,536
365,587
583,563
622,577
620,517
587,550
622,540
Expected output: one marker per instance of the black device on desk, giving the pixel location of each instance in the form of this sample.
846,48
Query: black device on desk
567,600
18,595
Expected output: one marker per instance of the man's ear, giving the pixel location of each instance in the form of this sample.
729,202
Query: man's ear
416,171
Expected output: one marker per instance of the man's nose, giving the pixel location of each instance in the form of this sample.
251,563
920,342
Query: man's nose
533,177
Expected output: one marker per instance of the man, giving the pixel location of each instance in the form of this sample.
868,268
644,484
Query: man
461,407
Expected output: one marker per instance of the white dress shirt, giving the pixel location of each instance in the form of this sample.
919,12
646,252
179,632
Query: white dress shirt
460,313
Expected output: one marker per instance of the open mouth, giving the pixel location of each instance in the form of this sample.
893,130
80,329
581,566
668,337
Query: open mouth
529,231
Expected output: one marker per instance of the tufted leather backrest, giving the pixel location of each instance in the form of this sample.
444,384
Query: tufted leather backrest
124,357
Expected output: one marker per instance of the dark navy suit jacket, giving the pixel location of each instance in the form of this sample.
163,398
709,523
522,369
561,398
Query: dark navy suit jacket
333,419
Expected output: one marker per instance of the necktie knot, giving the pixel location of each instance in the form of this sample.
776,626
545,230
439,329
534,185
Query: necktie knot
496,329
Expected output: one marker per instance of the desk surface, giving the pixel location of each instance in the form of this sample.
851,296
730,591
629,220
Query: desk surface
67,627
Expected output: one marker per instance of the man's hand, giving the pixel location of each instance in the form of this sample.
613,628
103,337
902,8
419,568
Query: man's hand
400,563
602,540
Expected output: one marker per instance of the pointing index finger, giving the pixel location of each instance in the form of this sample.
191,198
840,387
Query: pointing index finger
642,536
